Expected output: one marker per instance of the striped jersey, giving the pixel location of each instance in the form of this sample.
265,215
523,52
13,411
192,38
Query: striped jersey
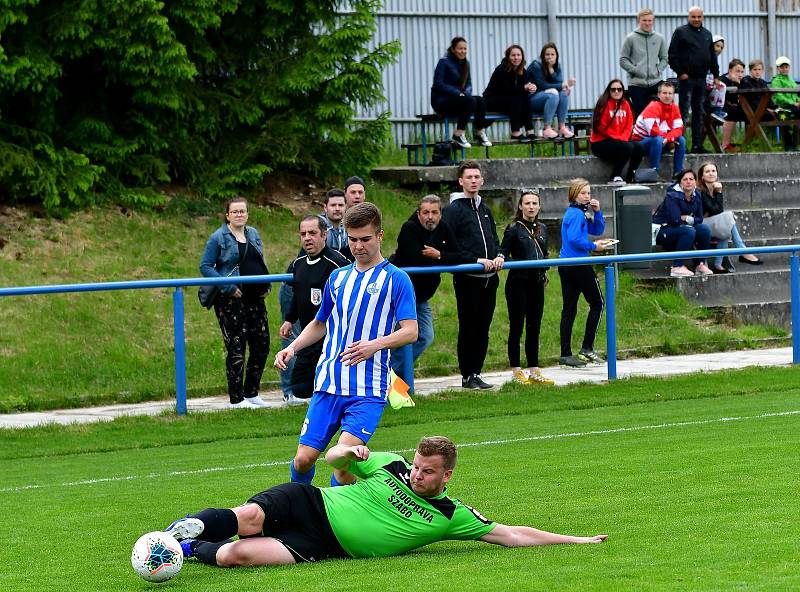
361,306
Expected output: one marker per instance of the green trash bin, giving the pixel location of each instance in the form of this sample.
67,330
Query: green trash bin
633,214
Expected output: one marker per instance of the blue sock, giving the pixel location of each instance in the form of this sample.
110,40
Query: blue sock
298,477
334,482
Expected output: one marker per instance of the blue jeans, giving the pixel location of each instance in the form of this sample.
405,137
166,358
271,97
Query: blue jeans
683,238
424,338
549,105
723,244
654,145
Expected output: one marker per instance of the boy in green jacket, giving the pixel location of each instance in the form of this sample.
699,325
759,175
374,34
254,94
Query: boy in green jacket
788,104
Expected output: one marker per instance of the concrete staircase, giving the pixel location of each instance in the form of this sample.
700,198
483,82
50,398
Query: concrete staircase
763,189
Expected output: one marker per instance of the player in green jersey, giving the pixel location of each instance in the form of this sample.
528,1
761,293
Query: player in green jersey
395,506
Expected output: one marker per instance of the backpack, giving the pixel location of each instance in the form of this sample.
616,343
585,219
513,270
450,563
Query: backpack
441,155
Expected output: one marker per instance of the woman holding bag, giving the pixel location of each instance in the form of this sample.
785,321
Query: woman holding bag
721,222
235,249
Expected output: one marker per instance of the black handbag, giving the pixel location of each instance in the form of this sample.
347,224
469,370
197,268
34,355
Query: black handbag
207,295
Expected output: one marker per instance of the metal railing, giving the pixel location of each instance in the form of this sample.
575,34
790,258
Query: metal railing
607,261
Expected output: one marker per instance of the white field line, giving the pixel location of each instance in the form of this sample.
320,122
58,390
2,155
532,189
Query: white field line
639,428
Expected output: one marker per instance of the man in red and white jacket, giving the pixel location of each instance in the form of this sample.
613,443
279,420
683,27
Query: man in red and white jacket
660,127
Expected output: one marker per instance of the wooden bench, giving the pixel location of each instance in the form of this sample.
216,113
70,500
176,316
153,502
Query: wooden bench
579,120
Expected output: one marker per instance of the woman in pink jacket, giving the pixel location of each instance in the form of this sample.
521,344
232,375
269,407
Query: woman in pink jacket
612,124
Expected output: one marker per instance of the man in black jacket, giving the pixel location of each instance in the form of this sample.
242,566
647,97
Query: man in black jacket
424,241
476,233
691,55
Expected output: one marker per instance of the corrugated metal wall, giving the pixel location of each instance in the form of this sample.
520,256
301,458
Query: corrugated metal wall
589,34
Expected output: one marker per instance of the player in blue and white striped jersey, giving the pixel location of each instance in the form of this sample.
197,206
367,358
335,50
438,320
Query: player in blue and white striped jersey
361,305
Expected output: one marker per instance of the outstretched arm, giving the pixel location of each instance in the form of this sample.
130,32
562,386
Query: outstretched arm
525,536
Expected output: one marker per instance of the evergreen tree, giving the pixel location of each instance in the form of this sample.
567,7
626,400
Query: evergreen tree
116,97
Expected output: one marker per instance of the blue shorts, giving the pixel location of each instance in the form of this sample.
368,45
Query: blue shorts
358,416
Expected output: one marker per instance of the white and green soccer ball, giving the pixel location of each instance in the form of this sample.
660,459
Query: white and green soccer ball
157,556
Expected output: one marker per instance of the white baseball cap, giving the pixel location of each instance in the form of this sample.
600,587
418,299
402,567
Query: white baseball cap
781,61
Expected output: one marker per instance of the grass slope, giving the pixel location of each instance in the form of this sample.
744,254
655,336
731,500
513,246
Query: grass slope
693,477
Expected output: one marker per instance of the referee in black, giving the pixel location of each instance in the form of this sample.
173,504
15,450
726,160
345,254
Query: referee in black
310,271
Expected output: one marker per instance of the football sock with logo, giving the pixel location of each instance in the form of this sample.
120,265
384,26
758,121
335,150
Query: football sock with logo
207,552
298,477
220,524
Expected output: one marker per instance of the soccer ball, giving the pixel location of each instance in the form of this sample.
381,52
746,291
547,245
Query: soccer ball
157,556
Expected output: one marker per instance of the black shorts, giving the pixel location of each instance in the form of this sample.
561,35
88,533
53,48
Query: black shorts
735,114
294,514
304,370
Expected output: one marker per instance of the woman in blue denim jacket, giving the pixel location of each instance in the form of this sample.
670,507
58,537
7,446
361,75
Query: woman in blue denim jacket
235,249
552,92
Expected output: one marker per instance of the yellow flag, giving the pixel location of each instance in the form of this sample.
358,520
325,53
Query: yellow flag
398,392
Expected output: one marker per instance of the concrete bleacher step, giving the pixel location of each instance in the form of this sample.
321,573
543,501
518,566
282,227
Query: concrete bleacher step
778,313
771,260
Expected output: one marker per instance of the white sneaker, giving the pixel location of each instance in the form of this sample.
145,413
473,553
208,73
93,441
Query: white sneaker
246,404
617,182
483,139
185,528
460,141
291,401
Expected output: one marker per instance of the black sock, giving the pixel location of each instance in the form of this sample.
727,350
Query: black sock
219,524
207,552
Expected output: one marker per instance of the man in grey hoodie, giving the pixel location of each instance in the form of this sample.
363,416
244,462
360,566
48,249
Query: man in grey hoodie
644,58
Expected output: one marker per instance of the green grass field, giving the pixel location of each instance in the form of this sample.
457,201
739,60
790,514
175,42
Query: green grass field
694,478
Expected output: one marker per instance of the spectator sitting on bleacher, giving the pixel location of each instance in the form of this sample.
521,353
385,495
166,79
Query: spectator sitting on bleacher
724,230
788,105
681,218
660,127
755,80
612,124
451,94
552,92
733,111
508,92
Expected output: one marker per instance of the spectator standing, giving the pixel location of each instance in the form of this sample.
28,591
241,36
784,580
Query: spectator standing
787,104
552,91
612,126
691,56
354,192
309,274
451,94
716,89
710,188
476,293
508,91
332,215
525,239
424,240
660,127
362,304
235,249
733,112
644,58
681,218
582,218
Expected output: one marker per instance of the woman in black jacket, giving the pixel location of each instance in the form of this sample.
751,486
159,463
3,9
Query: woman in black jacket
508,92
451,94
525,239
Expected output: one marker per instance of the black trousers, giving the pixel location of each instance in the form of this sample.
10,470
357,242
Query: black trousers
619,153
525,299
475,301
464,108
244,324
694,91
517,107
577,280
641,96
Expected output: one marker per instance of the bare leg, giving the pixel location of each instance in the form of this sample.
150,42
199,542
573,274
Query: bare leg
305,458
254,552
727,132
344,477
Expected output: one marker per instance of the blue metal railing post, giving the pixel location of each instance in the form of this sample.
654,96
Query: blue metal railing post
611,323
180,352
795,281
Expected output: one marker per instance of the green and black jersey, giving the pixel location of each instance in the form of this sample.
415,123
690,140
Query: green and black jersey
380,515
